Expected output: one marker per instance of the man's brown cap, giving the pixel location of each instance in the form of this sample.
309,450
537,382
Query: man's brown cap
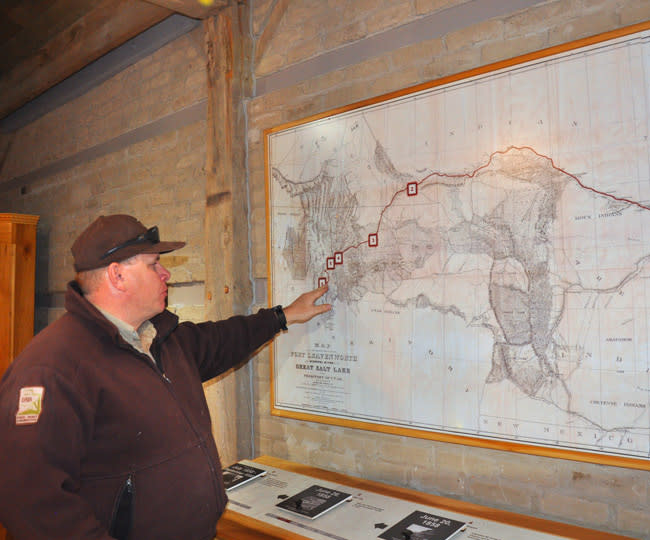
116,238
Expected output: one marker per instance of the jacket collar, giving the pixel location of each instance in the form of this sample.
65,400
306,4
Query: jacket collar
76,304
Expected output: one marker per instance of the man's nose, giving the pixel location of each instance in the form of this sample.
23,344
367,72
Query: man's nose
164,273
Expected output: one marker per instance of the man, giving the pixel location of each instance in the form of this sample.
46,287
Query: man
104,428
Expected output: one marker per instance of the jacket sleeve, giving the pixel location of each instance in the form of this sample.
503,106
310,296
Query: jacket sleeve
41,459
218,346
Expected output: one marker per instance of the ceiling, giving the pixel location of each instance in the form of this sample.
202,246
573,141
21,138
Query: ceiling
45,41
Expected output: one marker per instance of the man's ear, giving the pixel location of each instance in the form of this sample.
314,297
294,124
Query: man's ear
115,272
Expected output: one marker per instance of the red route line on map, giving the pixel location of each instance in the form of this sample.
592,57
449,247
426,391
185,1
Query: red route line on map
479,169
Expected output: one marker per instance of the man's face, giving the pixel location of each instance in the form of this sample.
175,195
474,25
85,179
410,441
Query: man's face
146,281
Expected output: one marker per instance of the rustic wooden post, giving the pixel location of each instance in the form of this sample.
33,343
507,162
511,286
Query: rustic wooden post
228,286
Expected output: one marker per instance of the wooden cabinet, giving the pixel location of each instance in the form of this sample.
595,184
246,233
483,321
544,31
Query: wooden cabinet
17,271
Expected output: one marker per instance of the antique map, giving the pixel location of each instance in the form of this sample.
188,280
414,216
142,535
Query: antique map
486,243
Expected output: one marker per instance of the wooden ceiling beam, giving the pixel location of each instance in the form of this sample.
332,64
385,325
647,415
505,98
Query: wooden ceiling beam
270,29
45,20
193,8
89,37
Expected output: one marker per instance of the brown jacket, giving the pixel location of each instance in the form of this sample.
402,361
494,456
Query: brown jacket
121,449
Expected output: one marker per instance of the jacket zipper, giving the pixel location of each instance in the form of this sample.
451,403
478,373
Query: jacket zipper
202,443
158,368
151,360
122,518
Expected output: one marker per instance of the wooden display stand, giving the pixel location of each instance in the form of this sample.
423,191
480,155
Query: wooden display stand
17,272
234,525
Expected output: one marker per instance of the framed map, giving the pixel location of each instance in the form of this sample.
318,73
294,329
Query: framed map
486,243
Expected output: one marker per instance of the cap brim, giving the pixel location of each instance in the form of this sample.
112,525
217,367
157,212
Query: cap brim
162,247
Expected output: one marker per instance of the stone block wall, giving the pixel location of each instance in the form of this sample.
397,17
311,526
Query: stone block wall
127,146
313,64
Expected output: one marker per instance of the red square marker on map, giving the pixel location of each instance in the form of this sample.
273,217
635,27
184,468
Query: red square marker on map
372,240
338,257
412,189
322,281
330,263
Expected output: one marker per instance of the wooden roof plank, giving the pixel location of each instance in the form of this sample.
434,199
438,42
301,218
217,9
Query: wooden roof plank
88,38
45,22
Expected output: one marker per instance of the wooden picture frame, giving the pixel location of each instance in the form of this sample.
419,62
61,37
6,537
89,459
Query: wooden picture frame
562,161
